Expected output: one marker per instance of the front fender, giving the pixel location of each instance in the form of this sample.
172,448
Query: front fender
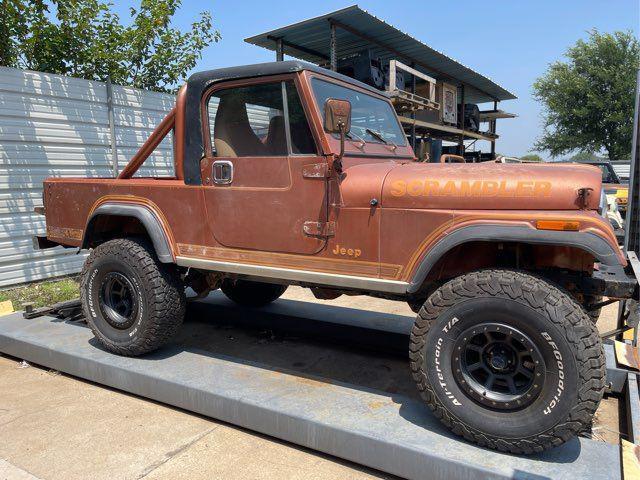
593,243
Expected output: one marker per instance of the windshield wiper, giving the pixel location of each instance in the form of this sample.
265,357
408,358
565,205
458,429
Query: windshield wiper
379,136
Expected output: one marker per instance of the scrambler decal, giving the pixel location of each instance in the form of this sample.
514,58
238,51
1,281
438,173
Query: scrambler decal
560,388
476,188
438,354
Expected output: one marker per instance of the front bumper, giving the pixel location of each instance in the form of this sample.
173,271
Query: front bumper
614,282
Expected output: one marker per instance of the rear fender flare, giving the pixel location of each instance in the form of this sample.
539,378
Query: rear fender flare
590,242
147,217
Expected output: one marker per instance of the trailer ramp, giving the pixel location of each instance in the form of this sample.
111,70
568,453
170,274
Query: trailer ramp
348,402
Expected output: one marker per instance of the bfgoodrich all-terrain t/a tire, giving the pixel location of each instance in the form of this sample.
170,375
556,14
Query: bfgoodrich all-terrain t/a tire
132,302
508,361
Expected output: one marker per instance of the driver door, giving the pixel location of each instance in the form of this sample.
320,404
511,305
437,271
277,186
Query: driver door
261,187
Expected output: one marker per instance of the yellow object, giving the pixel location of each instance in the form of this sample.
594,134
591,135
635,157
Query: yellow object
630,461
622,196
6,307
628,334
563,225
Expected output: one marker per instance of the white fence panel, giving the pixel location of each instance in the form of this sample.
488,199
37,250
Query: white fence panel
56,126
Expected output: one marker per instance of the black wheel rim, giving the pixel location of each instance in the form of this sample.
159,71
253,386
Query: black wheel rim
118,300
498,366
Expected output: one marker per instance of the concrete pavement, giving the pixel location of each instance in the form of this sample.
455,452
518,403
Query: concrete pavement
56,427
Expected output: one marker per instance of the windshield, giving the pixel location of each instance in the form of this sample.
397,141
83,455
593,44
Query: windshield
369,115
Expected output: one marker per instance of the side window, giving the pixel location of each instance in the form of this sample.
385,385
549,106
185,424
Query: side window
301,138
248,121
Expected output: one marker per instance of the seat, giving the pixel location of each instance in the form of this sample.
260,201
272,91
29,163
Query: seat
276,140
232,134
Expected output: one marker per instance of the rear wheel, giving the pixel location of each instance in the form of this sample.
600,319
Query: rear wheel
252,294
507,361
132,302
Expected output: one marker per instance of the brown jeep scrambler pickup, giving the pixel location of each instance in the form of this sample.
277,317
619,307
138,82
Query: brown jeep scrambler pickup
289,174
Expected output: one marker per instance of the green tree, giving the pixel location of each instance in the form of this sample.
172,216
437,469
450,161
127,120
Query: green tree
20,27
589,99
84,38
585,157
532,157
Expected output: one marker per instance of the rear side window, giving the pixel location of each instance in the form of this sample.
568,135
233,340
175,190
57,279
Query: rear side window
250,121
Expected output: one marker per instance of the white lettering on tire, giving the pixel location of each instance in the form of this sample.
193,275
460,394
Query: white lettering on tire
90,293
450,324
140,307
560,388
438,354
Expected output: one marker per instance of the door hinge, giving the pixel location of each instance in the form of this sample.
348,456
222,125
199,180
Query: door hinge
583,196
315,170
319,229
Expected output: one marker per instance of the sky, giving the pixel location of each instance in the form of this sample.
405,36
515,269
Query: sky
510,41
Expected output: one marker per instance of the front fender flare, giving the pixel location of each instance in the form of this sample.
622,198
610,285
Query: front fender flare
592,243
148,218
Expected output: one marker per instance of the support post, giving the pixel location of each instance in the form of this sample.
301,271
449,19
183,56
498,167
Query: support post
279,50
461,122
493,148
413,113
333,54
492,129
112,128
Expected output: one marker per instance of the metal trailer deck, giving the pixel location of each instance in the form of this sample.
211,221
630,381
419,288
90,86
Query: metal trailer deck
305,387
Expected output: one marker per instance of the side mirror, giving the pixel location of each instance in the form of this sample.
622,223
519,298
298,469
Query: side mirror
337,119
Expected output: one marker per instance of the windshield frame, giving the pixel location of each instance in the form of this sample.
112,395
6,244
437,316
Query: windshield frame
404,148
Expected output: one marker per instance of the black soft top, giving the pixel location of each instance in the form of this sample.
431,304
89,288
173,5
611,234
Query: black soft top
201,80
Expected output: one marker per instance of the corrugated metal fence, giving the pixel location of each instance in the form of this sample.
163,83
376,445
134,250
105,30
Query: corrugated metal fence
52,125
622,169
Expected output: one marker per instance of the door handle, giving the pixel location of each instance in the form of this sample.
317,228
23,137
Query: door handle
222,172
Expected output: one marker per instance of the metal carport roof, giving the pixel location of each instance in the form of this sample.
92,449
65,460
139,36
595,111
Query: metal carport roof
358,30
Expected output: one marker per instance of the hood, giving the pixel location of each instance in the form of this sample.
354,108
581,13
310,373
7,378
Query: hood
491,186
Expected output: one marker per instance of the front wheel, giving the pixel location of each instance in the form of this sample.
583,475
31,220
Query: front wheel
132,302
508,361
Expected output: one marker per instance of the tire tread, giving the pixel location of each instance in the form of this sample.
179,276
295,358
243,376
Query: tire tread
162,288
566,314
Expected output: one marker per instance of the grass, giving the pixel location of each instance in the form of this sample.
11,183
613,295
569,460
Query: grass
41,293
